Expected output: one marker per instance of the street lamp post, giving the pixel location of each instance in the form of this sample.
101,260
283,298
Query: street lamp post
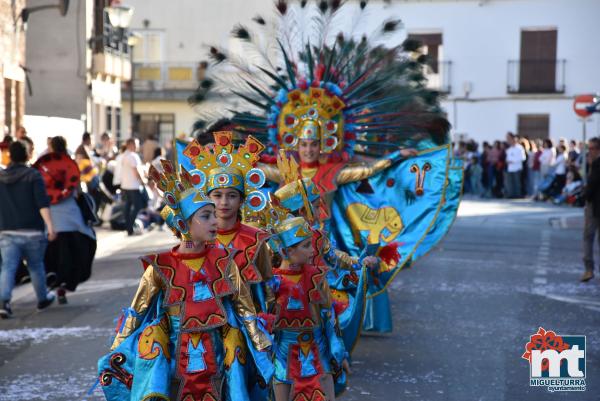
119,16
132,41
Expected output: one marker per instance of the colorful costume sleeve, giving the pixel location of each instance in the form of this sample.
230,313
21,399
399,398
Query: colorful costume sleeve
150,285
335,341
335,258
271,172
263,261
244,308
366,170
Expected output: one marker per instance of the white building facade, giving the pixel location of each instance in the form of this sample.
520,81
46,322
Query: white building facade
76,65
515,65
503,65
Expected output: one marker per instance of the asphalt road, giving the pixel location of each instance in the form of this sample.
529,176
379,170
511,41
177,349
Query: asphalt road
462,315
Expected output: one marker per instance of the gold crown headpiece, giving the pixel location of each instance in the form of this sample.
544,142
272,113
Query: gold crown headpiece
223,166
314,113
181,197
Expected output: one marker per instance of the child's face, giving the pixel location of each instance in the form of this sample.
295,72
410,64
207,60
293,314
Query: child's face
302,253
227,201
203,224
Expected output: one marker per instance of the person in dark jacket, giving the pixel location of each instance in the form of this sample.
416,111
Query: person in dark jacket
23,214
592,208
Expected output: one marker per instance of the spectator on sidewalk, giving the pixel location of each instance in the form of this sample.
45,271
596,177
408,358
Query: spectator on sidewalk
573,152
30,149
106,148
20,133
592,208
70,257
116,168
131,183
560,172
148,149
4,156
533,179
496,160
525,173
25,209
476,173
547,159
515,156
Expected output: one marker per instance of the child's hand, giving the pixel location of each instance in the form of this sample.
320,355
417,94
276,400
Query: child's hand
409,152
371,261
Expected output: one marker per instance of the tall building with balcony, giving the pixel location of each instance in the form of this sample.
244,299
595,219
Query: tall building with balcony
12,60
503,65
170,59
76,65
508,65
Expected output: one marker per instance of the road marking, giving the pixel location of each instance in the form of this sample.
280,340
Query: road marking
539,281
40,335
583,302
539,291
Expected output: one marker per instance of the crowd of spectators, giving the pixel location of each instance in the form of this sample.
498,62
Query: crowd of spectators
518,167
47,224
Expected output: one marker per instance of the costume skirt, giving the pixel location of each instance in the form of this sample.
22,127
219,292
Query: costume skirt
285,340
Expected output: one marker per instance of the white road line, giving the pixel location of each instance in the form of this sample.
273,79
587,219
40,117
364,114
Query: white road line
539,291
583,302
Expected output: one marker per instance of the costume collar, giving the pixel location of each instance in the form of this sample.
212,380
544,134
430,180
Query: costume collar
175,252
235,228
291,272
314,164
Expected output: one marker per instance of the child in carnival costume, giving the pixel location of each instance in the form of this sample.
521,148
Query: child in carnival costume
309,352
202,296
229,177
346,275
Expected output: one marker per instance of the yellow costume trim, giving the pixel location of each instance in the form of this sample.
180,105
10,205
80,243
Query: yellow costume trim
362,171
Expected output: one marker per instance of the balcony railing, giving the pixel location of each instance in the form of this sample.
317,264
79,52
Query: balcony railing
536,76
168,76
438,78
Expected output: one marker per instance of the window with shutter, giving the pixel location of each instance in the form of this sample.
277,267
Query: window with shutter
537,67
534,126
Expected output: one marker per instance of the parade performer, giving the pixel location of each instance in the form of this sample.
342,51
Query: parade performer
358,115
309,353
346,274
170,345
229,178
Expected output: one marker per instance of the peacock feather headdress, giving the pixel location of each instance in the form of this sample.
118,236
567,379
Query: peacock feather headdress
308,76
